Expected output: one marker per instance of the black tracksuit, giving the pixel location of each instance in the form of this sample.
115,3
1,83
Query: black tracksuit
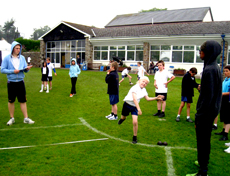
112,79
209,102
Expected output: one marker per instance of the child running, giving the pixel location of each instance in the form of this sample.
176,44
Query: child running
131,103
124,74
74,71
45,72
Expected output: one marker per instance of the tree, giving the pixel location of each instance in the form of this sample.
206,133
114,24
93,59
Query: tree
39,32
153,9
9,31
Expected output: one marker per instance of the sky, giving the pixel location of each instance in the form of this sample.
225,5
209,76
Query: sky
30,15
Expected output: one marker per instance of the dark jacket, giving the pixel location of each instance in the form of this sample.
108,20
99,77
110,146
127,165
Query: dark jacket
47,72
112,80
209,102
188,83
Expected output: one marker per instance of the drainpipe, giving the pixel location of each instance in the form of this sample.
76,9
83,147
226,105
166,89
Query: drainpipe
222,66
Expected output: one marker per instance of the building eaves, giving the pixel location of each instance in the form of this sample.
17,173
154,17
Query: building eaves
189,28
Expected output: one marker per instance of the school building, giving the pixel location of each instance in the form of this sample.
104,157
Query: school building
174,36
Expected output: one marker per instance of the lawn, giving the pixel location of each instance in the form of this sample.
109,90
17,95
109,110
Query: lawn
71,136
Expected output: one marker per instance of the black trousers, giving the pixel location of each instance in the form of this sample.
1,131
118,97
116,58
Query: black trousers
73,82
203,137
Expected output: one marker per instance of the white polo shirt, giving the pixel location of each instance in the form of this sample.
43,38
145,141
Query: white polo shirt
162,77
125,72
139,92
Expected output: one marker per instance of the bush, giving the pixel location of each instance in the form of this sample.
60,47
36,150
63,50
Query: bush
28,44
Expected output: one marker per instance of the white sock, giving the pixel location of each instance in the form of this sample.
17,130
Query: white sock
215,125
42,87
47,86
178,115
188,117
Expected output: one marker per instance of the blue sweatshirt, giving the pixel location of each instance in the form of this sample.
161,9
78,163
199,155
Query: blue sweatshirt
8,68
74,70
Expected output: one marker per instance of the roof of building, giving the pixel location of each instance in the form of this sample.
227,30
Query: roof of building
165,16
168,29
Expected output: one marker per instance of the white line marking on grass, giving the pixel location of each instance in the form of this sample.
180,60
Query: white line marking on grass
169,159
62,143
41,127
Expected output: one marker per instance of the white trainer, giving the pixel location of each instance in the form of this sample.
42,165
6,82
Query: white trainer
108,116
227,144
47,91
10,122
28,120
227,150
41,91
113,118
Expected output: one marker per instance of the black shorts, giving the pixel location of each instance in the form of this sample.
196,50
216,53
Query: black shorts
129,109
44,78
16,89
50,78
164,94
224,110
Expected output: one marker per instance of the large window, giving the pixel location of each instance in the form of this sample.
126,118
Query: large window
69,49
128,53
175,53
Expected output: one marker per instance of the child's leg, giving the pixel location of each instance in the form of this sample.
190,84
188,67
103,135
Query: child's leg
163,106
42,86
114,109
135,124
181,107
188,109
121,80
159,105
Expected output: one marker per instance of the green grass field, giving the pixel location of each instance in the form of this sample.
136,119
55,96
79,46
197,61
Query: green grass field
98,146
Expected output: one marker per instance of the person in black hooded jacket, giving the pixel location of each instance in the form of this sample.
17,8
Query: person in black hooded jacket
209,102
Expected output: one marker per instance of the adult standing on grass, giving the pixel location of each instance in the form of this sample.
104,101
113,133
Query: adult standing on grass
208,105
14,65
50,67
187,92
112,79
131,104
74,71
161,85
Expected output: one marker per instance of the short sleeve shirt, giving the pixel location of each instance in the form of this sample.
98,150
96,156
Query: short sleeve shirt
140,92
161,78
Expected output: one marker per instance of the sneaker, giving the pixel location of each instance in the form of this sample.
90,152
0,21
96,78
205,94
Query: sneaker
41,91
47,91
134,142
227,144
131,84
161,115
214,127
224,138
221,133
10,122
189,120
120,121
227,150
71,95
113,118
157,114
28,120
108,116
50,88
178,119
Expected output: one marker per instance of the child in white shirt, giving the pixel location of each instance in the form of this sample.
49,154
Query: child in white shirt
124,74
141,71
161,85
131,104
